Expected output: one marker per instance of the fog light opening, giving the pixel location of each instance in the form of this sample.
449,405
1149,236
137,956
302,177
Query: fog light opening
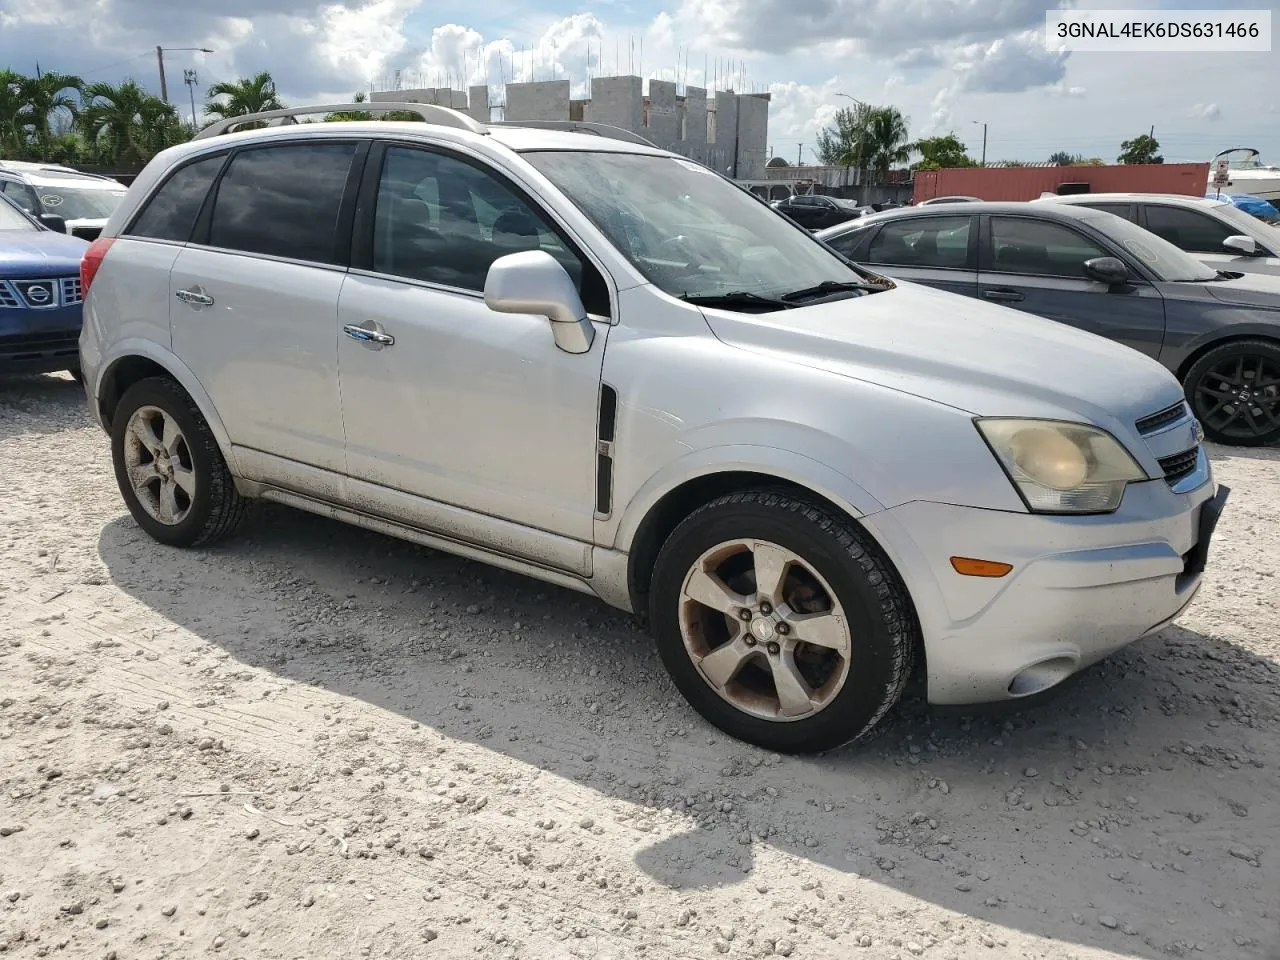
1042,676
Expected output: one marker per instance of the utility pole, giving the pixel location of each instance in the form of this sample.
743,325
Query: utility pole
189,78
160,51
799,154
984,141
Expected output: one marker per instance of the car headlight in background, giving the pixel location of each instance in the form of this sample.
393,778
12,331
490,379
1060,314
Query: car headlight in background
1062,467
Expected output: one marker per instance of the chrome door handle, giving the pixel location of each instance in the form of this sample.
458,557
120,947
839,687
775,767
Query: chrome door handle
1003,295
356,332
195,297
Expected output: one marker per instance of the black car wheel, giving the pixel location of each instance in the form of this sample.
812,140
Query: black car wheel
1234,390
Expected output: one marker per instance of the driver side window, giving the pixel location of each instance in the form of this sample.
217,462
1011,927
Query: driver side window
442,220
23,195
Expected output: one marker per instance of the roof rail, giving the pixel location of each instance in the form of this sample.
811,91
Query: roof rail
429,113
580,126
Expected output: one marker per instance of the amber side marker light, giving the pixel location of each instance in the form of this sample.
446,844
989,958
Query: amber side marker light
969,567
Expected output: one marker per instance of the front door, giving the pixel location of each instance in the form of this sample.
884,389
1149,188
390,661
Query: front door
254,297
467,409
1038,266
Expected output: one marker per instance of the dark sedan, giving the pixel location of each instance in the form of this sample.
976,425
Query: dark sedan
1218,331
815,212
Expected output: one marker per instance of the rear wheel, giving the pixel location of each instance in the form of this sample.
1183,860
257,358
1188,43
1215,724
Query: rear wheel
1234,390
782,623
169,468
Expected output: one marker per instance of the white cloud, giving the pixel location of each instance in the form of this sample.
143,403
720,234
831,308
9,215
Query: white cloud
1204,111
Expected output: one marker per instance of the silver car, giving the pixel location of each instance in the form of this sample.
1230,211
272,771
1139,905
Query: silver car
604,366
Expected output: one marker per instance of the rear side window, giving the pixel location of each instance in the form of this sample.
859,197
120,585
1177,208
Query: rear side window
171,212
938,242
283,201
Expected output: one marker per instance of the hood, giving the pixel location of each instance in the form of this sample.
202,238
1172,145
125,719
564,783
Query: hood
43,251
978,357
1250,290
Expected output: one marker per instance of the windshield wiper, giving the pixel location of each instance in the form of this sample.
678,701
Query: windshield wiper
831,286
736,298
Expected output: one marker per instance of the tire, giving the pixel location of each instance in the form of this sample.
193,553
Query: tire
1228,372
205,505
833,557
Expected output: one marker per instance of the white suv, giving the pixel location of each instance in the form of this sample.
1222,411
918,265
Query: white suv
83,200
607,367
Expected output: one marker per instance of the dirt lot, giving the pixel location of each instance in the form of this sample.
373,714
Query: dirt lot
315,742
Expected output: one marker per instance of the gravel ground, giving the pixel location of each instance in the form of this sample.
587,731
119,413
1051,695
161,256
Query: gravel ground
311,741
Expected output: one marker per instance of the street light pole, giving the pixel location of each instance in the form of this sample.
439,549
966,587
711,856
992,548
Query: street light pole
160,52
984,141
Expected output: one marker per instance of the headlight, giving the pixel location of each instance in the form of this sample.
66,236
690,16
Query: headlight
1062,467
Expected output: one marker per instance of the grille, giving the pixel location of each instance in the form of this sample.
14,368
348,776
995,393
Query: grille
41,294
19,348
1178,465
1162,418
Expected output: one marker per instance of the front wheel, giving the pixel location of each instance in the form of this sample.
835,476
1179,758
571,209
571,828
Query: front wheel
781,622
1234,390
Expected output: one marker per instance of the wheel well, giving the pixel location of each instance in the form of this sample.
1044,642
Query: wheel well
124,374
677,504
1185,367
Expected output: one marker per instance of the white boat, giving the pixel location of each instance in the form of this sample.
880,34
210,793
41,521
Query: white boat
1248,174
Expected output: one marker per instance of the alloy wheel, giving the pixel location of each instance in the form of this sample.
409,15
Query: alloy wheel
159,465
764,630
1239,398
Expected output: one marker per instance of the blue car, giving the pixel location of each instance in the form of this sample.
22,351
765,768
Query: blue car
40,302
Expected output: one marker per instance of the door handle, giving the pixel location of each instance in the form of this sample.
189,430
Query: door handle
1003,295
356,332
195,296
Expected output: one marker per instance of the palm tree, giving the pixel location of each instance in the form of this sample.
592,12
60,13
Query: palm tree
126,123
12,139
252,95
887,142
46,97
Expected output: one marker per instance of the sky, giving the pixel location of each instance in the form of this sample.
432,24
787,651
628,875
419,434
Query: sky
948,65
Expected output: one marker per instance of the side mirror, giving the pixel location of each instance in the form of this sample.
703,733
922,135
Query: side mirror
1108,270
532,282
1246,245
54,222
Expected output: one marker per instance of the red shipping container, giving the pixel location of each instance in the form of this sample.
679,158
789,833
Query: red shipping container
1027,183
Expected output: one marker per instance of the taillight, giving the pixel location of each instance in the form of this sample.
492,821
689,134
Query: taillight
91,261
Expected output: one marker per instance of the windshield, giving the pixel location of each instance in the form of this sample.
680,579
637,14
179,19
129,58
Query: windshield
1161,257
1247,223
77,203
688,231
11,219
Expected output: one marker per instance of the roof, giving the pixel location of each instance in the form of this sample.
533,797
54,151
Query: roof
53,176
1047,211
1178,198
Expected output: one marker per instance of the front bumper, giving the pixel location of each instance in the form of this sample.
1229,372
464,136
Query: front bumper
1080,589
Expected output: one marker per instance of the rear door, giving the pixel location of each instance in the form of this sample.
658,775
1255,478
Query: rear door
1038,266
940,251
254,297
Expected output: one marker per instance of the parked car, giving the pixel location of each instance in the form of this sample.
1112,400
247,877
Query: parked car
83,200
1213,231
602,365
1218,332
39,293
814,212
956,199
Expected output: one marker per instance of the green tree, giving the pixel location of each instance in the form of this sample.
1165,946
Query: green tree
1141,149
359,97
867,138
12,136
125,124
244,96
1064,159
939,152
45,100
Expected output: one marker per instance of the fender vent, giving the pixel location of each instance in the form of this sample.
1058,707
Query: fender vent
604,449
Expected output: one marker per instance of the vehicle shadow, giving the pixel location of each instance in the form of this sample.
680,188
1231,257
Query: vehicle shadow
1118,799
41,404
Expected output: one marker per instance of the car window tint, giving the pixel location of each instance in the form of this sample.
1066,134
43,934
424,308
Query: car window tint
1124,210
171,212
1037,247
445,221
922,242
283,201
847,243
23,195
1188,229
